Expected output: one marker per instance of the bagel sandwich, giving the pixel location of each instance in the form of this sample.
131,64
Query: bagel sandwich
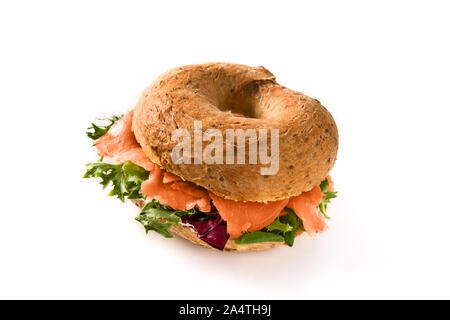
222,155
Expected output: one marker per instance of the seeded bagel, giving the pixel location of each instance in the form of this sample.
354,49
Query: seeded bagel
231,96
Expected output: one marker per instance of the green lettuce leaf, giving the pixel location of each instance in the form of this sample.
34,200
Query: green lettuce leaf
296,224
277,225
259,236
328,195
159,218
97,131
282,229
156,217
125,178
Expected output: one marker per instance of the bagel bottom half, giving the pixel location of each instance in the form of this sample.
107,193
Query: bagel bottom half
189,234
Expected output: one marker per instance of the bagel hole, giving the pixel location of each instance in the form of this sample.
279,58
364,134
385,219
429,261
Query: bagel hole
242,103
241,108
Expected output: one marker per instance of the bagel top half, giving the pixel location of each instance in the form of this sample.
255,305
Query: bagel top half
231,96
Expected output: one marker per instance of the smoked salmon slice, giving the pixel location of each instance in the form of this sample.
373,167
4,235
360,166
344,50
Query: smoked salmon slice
244,217
330,183
305,207
178,194
120,145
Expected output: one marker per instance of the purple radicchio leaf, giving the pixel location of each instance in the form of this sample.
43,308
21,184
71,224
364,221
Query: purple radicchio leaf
213,230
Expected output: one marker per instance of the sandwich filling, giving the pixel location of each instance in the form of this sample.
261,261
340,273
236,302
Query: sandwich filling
171,200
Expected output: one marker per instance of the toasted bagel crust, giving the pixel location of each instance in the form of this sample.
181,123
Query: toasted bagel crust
231,96
189,234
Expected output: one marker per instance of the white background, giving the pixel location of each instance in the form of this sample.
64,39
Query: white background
381,68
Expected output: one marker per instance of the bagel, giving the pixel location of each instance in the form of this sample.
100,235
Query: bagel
231,96
238,205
